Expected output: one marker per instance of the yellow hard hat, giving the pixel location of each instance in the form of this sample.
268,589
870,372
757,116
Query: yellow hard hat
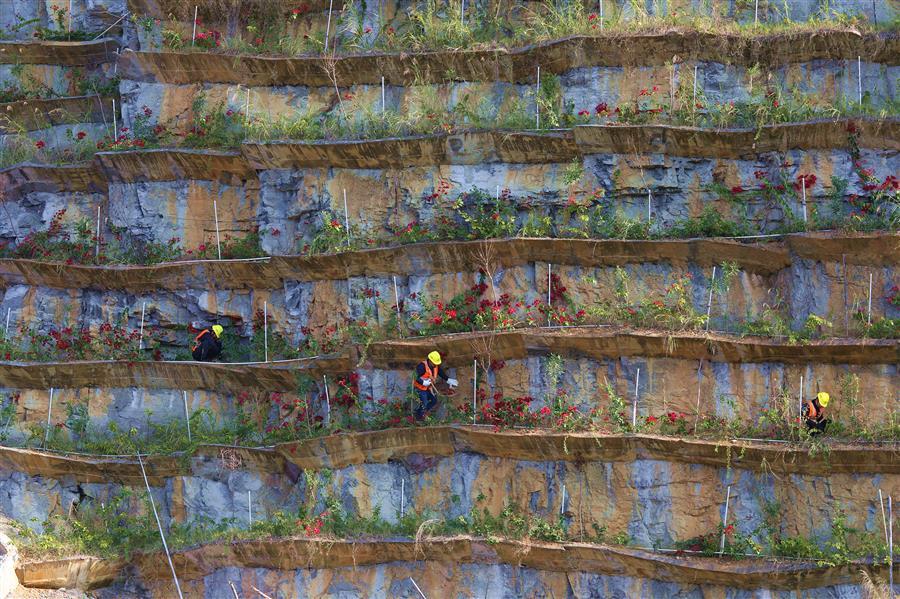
823,398
217,329
435,358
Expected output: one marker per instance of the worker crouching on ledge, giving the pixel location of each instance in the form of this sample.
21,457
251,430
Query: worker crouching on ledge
427,373
814,412
208,344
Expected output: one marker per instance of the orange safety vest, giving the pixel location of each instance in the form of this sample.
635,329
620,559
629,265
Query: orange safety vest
429,374
197,339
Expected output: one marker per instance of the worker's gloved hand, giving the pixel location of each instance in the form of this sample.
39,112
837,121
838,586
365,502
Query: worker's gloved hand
452,382
426,382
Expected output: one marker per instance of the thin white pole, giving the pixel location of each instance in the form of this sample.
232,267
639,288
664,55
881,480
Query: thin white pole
266,330
474,390
725,521
115,123
462,12
694,104
891,542
49,410
549,292
249,508
537,95
261,594
699,375
562,501
234,590
859,78
247,108
673,85
418,590
159,527
498,193
70,16
601,15
883,517
327,401
709,301
803,187
649,204
218,241
6,330
637,383
756,14
346,218
97,246
397,302
187,414
328,23
194,33
383,101
801,395
143,311
869,317
402,495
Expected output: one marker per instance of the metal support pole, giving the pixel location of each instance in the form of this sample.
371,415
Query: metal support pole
97,241
234,590
266,331
159,527
803,187
562,501
115,122
418,590
402,495
537,95
49,411
143,311
346,218
218,240
801,395
694,104
725,521
6,330
859,78
869,317
194,33
327,401
474,390
397,302
649,205
637,383
709,301
891,543
699,374
249,508
328,23
383,101
756,14
187,414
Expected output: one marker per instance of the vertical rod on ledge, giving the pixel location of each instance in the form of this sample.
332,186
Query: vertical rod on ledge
725,521
218,240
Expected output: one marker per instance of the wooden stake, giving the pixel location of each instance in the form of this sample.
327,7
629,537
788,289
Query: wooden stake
194,33
266,330
725,521
218,241
49,410
159,527
187,414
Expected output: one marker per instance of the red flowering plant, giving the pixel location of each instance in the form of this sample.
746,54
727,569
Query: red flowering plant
710,544
108,341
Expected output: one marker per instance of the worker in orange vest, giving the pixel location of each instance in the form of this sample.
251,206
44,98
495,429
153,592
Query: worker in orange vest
427,373
208,344
814,412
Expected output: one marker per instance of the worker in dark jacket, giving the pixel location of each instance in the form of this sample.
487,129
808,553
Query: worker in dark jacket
208,344
426,373
814,412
